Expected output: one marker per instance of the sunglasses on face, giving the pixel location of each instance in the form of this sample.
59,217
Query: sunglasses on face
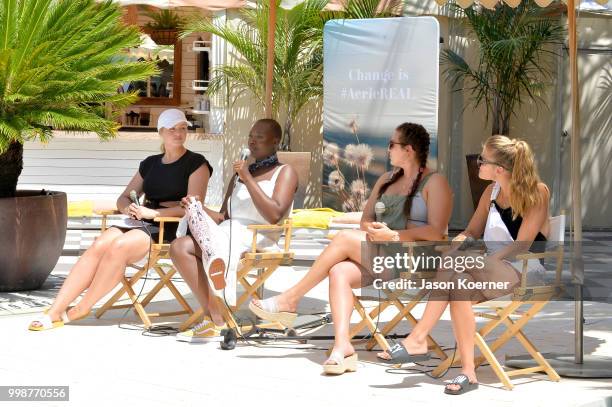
392,143
480,161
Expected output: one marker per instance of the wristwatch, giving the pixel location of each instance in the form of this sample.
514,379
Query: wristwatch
396,237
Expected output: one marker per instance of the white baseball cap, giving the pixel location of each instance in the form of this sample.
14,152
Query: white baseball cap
170,118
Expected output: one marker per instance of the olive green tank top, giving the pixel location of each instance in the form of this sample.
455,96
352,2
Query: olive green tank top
394,208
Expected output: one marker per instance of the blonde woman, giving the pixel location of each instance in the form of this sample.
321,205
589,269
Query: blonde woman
164,179
514,208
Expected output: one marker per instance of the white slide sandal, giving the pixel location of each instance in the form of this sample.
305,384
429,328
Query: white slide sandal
268,311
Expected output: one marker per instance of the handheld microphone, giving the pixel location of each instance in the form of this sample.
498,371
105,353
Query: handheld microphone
134,197
244,154
379,210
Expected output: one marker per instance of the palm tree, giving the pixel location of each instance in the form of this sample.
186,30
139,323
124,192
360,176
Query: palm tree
298,53
512,66
61,64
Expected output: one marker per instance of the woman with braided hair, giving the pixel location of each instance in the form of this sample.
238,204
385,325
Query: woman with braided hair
511,215
418,207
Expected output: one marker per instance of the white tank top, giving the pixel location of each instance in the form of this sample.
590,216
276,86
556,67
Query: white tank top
242,206
497,236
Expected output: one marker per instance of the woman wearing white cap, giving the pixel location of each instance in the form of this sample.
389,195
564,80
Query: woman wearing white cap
164,179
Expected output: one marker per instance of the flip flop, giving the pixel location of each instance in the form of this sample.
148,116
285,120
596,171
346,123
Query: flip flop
268,311
399,355
464,385
342,364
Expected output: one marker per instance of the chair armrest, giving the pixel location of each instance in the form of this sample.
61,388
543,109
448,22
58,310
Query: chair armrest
286,226
557,254
543,255
266,227
162,220
106,212
167,219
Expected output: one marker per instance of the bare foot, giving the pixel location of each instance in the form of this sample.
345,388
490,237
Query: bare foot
345,350
412,346
76,313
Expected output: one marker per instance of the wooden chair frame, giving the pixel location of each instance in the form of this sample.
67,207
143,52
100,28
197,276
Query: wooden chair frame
165,271
404,309
507,312
252,272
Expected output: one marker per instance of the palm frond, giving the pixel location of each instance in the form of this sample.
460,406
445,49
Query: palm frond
61,61
514,62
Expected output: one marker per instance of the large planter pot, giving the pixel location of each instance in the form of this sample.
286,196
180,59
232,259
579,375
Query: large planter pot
33,230
162,37
477,185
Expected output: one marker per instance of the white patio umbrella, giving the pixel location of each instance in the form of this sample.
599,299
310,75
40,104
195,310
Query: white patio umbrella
205,4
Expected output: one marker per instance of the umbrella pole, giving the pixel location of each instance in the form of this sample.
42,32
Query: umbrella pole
270,58
577,266
593,366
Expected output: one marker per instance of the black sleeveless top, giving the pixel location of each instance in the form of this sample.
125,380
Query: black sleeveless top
168,182
514,225
165,183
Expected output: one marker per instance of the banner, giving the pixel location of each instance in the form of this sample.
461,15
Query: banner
378,74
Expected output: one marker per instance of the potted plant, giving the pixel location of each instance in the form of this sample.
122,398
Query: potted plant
163,27
512,67
60,69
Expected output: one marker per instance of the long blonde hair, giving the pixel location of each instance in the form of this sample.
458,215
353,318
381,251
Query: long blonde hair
516,156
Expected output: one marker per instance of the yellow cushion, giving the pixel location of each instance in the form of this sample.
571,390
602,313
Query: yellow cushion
317,218
80,208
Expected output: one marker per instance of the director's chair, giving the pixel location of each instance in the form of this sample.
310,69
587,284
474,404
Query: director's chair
159,261
398,298
505,311
254,268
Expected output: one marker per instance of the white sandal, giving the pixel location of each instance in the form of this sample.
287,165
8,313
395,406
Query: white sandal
268,311
342,363
45,322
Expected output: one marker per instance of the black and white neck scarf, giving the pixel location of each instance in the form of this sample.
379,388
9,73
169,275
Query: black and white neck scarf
267,162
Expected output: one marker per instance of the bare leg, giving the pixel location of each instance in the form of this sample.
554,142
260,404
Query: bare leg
82,273
416,342
343,277
462,315
464,327
346,245
186,256
128,248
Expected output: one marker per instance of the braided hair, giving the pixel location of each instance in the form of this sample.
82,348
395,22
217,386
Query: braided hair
417,137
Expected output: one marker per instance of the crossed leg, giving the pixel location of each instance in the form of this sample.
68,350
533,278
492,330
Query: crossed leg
98,271
346,245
